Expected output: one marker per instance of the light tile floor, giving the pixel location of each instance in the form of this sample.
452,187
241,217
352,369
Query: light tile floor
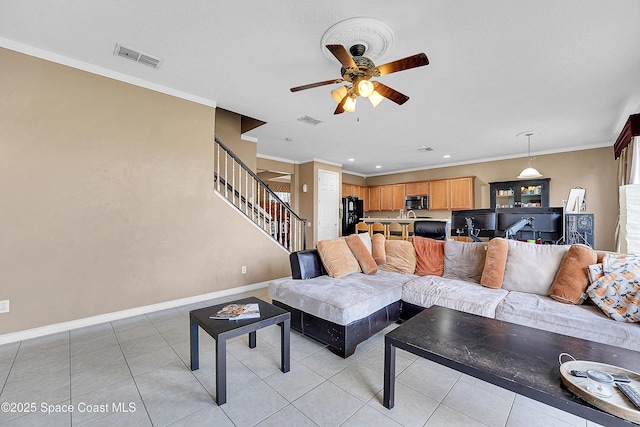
135,372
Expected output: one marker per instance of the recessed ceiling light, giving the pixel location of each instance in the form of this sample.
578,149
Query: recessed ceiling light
446,156
378,166
351,160
289,139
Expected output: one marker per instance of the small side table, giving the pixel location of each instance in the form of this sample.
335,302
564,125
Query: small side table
222,330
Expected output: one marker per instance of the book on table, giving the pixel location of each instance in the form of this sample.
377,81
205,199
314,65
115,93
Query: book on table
238,312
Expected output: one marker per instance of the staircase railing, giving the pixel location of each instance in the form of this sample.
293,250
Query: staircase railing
242,187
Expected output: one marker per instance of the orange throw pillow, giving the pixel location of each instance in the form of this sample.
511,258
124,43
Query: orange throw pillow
572,278
377,249
337,258
401,257
495,263
429,256
360,251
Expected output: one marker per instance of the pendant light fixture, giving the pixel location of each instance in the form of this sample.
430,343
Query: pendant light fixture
529,172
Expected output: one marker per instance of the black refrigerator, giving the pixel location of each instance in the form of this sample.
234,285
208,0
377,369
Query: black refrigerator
352,211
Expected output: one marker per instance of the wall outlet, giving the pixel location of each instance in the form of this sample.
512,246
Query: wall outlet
244,271
4,306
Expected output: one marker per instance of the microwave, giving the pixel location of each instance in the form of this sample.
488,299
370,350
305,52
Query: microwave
416,202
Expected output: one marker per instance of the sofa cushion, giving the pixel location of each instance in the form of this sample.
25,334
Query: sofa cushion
532,268
457,294
464,260
495,263
337,258
377,248
429,256
572,278
362,254
401,257
340,301
581,321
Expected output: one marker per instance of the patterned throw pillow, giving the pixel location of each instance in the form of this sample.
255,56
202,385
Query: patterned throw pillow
616,292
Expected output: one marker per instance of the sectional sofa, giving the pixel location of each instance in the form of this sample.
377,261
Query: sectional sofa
541,286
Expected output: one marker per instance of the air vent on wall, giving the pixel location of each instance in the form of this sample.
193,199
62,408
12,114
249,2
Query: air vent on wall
309,120
138,57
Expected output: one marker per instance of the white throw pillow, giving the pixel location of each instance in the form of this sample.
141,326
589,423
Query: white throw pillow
531,268
366,239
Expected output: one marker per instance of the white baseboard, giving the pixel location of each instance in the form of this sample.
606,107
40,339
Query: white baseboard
109,317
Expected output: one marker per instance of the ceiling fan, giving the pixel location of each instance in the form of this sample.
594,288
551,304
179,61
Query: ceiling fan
358,71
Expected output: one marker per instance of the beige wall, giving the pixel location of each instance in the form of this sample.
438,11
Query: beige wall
594,170
107,200
348,178
228,130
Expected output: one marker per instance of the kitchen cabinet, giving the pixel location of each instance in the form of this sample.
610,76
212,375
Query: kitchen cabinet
348,190
373,201
360,191
417,188
391,197
452,194
530,193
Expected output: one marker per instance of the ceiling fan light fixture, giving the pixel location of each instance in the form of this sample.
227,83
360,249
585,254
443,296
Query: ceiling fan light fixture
375,98
339,93
350,104
365,88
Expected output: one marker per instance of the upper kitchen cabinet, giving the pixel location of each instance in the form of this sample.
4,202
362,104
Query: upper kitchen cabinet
385,198
531,193
360,191
372,203
452,194
392,197
416,188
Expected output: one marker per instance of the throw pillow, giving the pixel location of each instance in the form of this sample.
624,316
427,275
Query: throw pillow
616,292
495,263
531,268
337,258
362,254
401,257
464,260
572,278
429,256
378,249
366,239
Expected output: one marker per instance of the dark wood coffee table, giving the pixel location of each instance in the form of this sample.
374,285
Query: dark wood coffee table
222,330
518,358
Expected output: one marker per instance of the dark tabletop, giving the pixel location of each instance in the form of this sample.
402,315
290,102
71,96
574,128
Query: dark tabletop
215,327
519,358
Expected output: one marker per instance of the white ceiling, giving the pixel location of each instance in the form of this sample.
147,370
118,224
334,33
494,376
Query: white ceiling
569,69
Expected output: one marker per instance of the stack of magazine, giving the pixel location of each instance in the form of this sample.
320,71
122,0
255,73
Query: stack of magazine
238,312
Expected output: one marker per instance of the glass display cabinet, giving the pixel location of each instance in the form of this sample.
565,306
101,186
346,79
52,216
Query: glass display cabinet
530,193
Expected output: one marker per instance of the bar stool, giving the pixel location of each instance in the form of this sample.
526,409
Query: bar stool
363,227
378,228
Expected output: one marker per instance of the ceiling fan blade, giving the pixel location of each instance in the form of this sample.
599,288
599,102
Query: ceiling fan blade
340,107
342,55
391,94
312,85
414,61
